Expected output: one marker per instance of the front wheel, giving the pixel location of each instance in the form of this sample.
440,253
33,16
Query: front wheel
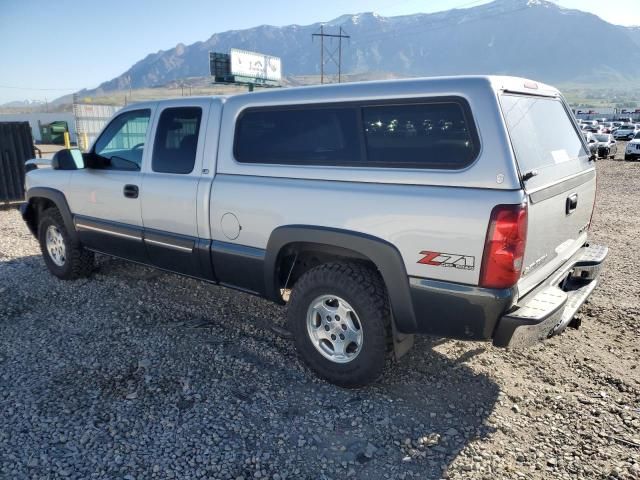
340,319
64,258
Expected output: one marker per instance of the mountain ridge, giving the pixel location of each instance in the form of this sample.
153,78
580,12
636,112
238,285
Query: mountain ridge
533,38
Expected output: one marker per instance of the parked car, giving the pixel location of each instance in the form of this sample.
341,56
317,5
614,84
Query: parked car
590,127
369,235
632,151
625,132
609,127
606,145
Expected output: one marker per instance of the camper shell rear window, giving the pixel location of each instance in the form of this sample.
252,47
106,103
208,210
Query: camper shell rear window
542,133
434,133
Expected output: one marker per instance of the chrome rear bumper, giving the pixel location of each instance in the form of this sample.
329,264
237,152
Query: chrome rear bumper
548,311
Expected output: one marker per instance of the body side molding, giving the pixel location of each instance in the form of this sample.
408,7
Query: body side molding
238,266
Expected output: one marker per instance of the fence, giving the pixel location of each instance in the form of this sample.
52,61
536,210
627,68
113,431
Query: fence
16,147
90,119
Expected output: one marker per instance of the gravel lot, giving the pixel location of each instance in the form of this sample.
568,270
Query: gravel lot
136,373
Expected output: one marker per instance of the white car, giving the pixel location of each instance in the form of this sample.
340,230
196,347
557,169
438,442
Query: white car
625,132
632,152
606,145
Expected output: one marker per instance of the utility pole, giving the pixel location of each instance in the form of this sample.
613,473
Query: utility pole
321,53
331,54
340,55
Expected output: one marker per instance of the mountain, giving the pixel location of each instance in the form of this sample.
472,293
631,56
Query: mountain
23,104
532,38
634,33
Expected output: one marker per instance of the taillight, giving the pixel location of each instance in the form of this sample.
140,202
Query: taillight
504,246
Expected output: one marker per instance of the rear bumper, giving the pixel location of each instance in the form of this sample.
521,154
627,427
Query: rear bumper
551,306
467,312
453,310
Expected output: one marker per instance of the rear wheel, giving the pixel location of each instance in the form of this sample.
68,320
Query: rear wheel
64,258
340,320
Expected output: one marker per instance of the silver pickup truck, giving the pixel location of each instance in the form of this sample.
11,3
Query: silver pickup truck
455,207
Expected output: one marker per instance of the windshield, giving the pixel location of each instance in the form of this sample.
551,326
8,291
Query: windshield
602,138
543,137
626,127
637,137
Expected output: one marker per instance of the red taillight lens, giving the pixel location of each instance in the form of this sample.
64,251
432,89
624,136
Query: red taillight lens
504,246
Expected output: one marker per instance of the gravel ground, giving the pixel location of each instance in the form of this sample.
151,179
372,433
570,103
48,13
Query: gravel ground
136,373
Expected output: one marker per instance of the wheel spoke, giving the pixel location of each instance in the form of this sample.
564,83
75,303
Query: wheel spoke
339,346
326,311
323,334
343,310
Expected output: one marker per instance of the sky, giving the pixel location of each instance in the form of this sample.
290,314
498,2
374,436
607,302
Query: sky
51,48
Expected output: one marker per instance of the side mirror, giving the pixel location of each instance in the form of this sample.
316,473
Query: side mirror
67,159
91,160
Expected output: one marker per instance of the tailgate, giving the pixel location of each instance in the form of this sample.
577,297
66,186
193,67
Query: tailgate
561,186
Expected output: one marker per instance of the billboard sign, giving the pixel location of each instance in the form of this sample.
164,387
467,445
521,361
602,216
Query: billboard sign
257,66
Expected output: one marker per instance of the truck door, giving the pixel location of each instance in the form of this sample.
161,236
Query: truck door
105,199
170,187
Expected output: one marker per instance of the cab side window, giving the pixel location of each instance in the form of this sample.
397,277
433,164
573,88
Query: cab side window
176,142
121,145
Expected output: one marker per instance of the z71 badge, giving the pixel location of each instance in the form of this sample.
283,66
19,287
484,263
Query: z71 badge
450,260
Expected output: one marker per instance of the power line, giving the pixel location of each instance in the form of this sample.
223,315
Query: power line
40,89
330,53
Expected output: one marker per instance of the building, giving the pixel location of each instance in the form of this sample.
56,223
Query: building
42,118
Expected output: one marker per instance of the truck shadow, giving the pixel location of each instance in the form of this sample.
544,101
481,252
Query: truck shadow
200,365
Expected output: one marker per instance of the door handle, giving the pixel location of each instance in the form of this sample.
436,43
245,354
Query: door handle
572,203
130,191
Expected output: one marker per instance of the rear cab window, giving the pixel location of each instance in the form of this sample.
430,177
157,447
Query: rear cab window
176,141
433,133
297,136
544,138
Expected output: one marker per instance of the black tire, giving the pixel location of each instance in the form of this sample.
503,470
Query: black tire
362,287
78,262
